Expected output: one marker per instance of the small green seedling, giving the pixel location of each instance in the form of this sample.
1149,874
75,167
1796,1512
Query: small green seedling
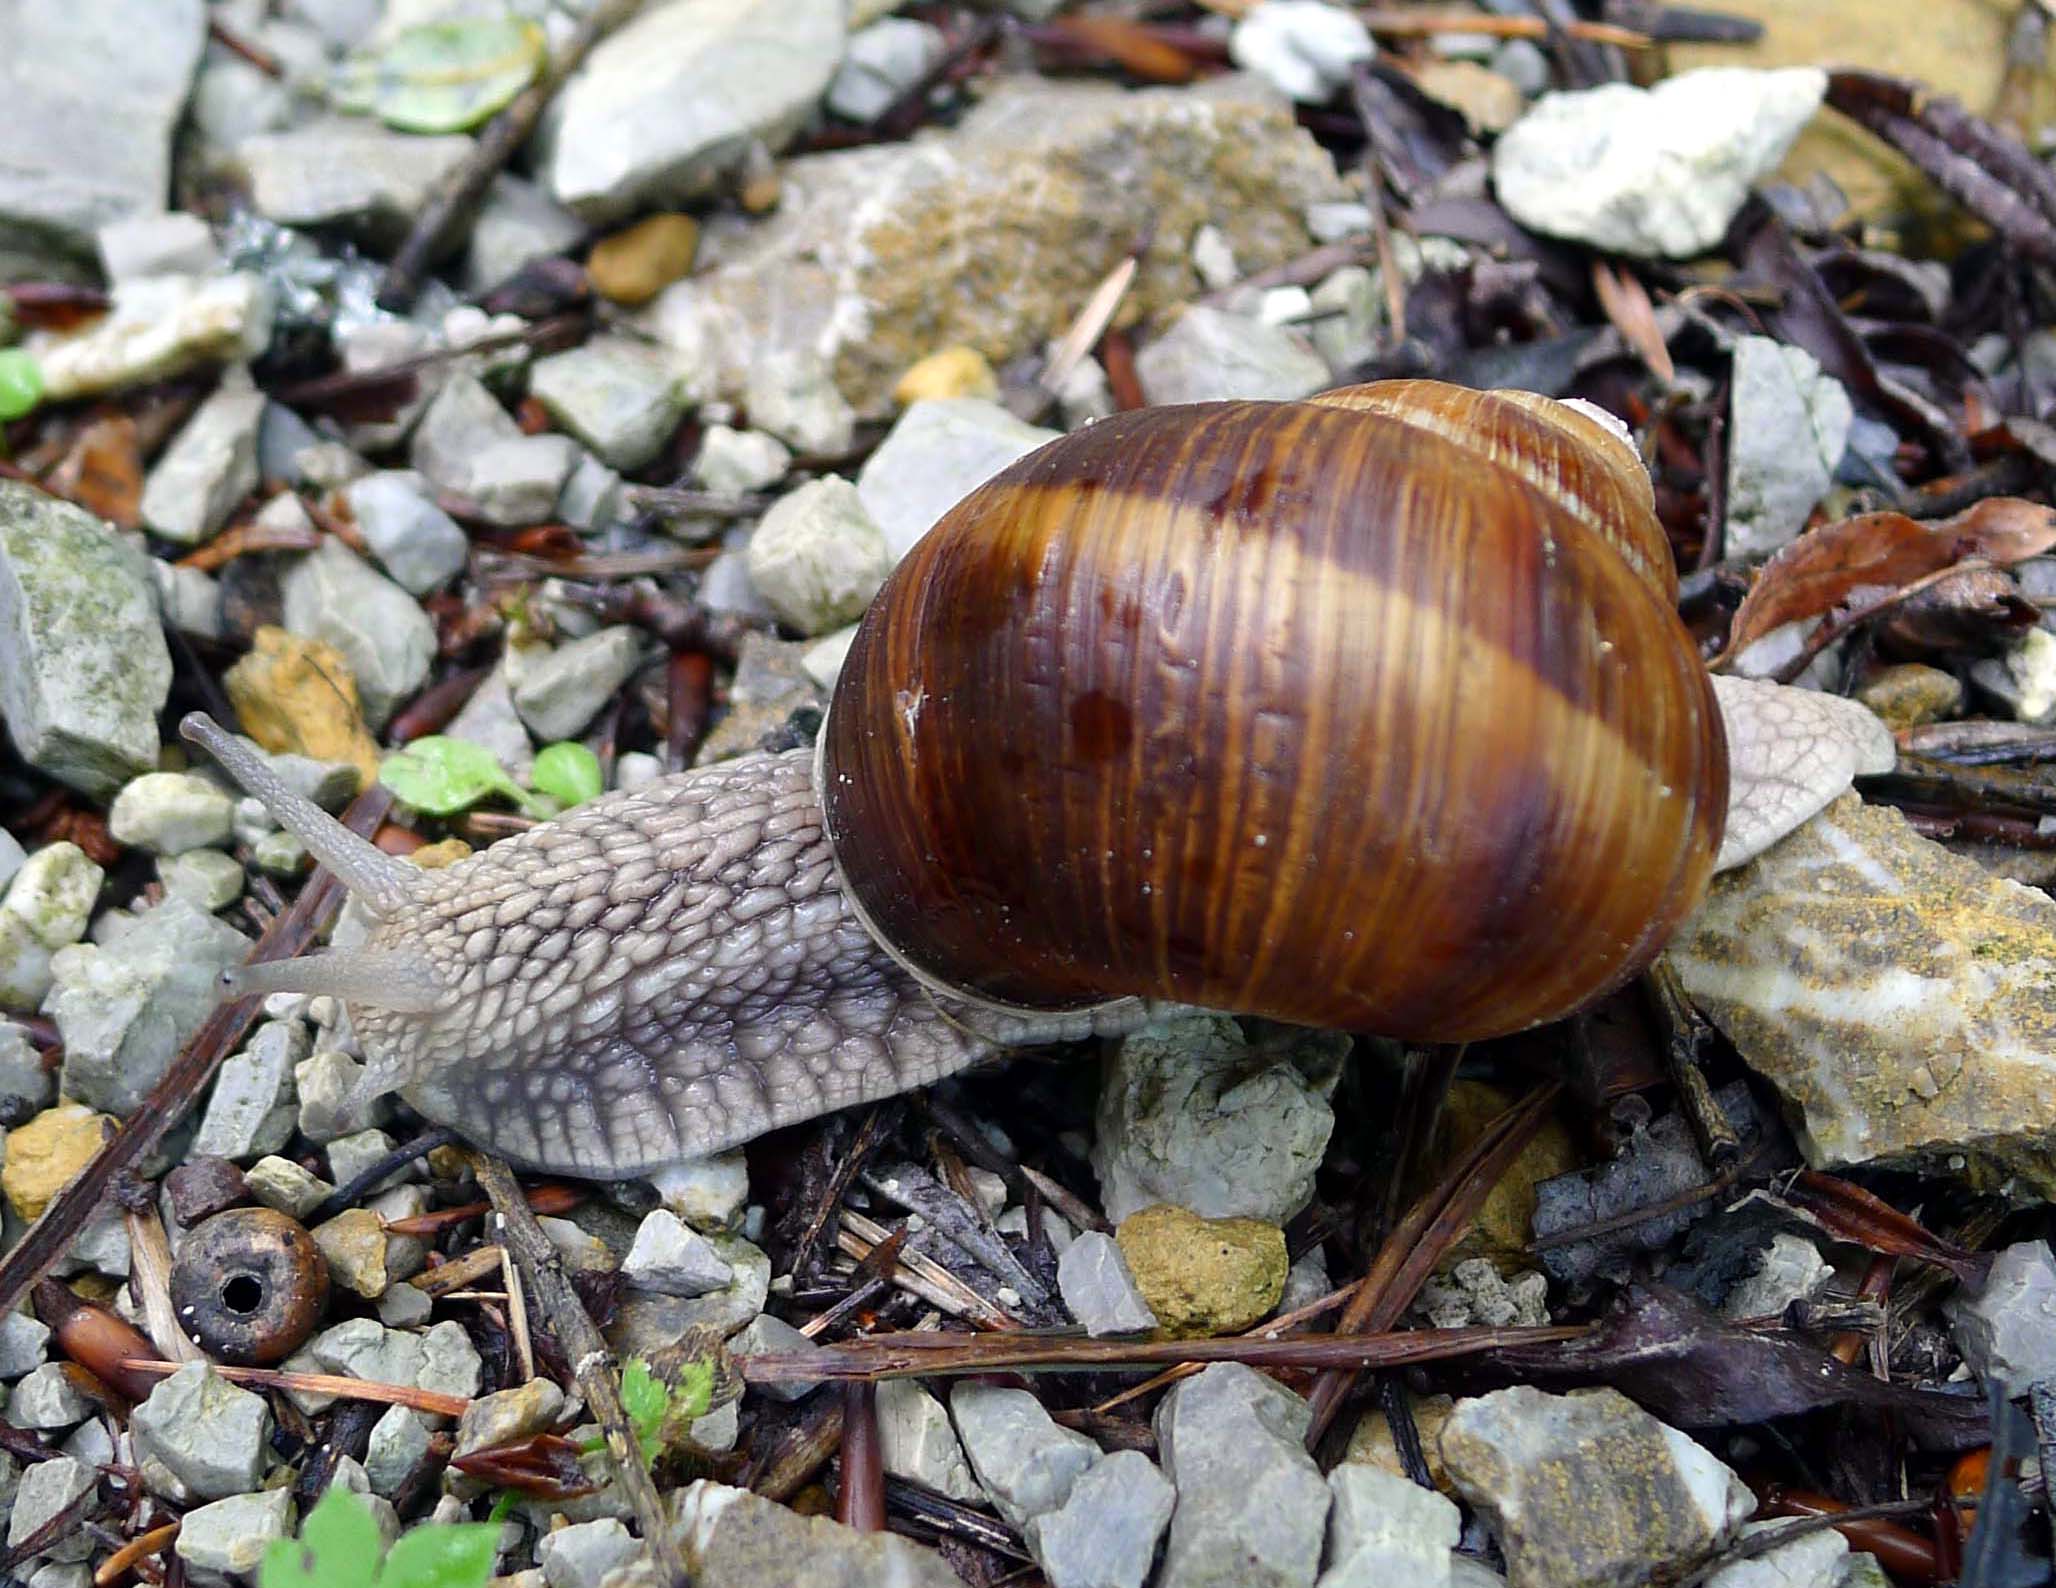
568,772
338,1547
442,776
21,384
662,1413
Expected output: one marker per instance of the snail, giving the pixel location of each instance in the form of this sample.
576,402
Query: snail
1369,711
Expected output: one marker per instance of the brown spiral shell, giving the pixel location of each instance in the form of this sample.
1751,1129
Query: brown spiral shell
1370,712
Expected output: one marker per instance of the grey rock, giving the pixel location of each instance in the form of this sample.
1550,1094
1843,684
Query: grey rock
83,666
1862,1571
330,784
670,1257
1189,1113
207,879
817,557
47,908
280,1183
102,1247
708,1193
1303,48
11,857
334,595
1589,1489
1251,1504
172,243
359,1152
168,813
646,1320
125,1010
208,1434
1023,1459
517,222
190,598
24,1342
461,423
1789,424
228,1538
1353,299
1098,1288
793,395
591,494
450,1363
736,461
581,1555
734,1539
398,1445
489,719
90,1442
1522,63
46,1398
520,481
418,544
47,1489
61,1574
666,106
508,1414
621,398
916,1441
253,1107
771,683
2007,1329
1209,354
1105,1535
1651,172
332,1102
25,1089
1789,1269
348,173
1477,1293
93,92
405,1307
1816,1560
1383,1528
560,691
210,466
938,452
882,62
764,1334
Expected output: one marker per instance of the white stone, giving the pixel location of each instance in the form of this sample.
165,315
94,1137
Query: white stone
1105,1533
1210,355
559,690
1814,1560
168,813
1098,1288
47,907
1789,1269
2007,1328
937,453
332,594
210,466
1788,428
1304,48
736,461
671,1258
882,62
621,398
228,1538
708,1193
817,557
1383,1528
1022,1458
156,327
916,1442
173,243
416,542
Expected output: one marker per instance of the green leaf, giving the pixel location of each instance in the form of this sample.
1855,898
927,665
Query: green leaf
568,771
442,76
21,384
337,1547
693,1393
442,776
645,1400
442,1557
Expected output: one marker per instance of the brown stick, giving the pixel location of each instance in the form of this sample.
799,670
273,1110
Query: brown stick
116,1566
860,1495
50,1236
336,1384
542,1267
458,196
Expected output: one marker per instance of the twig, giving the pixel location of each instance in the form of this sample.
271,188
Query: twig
1413,25
458,1272
457,197
118,1565
336,1384
1834,628
1686,1035
517,1315
542,1266
924,1276
180,1087
150,1274
347,1196
860,1495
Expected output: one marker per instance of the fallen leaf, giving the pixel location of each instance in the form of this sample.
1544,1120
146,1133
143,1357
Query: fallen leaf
1791,751
102,471
442,76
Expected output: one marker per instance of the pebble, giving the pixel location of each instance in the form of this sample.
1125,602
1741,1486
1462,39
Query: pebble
1814,1560
734,1539
959,371
1022,1458
1789,1269
581,1555
1105,1534
2007,1328
1477,1293
1304,48
663,107
1251,1507
210,466
208,1434
817,557
349,174
1351,302
1383,1528
517,222
253,1107
937,453
1203,1277
646,1320
880,64
708,1193
415,541
1523,63
405,1306
2022,680
489,719
398,1445
1488,102
470,446
1657,172
205,878
334,596
46,1398
360,1151
916,1441
635,264
764,1334
1889,989
299,695
1789,425
1209,354
732,462
124,1010
229,1538
332,1103
25,1086
24,1342
168,813
84,670
561,689
1587,1490
353,1244
46,1490
47,907
43,1156
1098,1288
793,395
591,496
11,857
156,327
508,1415
621,398
442,1359
1911,695
282,1184
670,1257
1190,1113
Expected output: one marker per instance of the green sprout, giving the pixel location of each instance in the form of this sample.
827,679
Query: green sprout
339,1547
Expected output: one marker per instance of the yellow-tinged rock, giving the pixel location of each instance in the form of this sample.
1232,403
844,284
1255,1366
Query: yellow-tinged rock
44,1155
1371,1441
1911,696
958,371
634,265
1503,1226
1486,101
1203,1277
1955,47
433,857
299,695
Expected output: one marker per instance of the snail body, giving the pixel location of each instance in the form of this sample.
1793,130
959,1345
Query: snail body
1370,711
